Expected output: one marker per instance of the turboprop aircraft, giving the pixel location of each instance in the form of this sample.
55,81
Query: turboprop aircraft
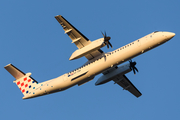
98,62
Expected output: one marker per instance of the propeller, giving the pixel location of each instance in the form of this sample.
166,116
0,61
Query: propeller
132,66
106,40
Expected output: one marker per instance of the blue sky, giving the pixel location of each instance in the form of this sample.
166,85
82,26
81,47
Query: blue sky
32,40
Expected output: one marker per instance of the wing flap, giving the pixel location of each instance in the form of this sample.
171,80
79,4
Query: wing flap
126,84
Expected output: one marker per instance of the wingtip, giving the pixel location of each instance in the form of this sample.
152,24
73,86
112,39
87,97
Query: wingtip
7,65
58,16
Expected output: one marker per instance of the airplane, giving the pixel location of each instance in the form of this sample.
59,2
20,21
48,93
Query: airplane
98,62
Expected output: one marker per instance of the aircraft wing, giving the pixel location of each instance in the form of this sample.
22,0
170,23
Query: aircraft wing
77,37
126,84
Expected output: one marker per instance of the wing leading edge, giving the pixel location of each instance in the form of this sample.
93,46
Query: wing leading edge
126,84
77,37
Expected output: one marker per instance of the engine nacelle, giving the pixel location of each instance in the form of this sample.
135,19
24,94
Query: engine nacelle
95,45
113,74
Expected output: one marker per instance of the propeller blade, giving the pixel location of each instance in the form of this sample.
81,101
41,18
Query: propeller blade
132,66
106,40
134,71
103,34
110,44
107,45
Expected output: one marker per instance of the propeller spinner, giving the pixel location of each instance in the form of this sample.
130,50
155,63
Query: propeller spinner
132,66
106,40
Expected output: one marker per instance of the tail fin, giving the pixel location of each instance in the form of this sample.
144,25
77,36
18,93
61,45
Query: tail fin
25,83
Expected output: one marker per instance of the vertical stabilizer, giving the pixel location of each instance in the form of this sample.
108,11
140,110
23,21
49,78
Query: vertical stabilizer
24,82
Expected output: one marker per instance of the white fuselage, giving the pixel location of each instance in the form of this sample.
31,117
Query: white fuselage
101,63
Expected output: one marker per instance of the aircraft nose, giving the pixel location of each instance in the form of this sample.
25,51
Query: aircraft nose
170,35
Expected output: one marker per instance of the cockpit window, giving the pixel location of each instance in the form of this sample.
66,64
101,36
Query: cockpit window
156,31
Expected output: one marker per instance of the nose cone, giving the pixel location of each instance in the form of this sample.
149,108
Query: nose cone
170,35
